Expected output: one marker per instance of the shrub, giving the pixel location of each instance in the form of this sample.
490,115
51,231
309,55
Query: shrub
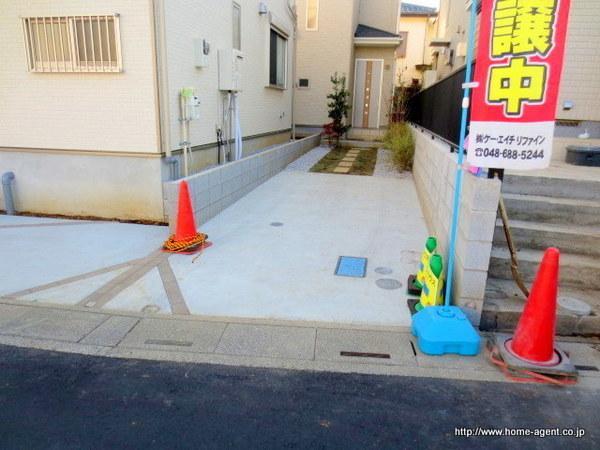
399,140
338,110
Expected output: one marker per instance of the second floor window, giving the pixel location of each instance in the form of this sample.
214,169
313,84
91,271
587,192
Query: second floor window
312,15
237,26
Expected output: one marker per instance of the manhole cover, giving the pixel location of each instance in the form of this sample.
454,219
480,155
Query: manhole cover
276,224
151,309
388,283
383,270
575,306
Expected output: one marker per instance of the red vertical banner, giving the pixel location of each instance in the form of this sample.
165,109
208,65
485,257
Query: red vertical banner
518,68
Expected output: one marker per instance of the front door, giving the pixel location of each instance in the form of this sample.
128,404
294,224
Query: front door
368,75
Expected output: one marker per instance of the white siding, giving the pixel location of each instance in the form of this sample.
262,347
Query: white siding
263,109
80,111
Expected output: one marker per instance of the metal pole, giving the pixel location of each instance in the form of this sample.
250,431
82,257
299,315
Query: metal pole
461,148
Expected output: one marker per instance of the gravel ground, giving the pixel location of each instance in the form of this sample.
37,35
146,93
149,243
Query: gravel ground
385,167
309,159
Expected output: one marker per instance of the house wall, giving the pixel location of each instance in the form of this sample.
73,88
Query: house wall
420,30
321,53
434,172
263,110
82,143
389,70
382,14
113,112
580,79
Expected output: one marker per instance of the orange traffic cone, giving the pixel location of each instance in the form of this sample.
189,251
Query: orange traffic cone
533,340
186,239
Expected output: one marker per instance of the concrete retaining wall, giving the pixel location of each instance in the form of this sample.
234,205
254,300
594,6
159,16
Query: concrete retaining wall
434,174
214,190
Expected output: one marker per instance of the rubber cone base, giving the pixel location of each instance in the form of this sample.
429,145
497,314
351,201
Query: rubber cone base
562,368
412,288
190,250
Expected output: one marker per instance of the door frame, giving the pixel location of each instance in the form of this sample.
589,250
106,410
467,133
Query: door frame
380,88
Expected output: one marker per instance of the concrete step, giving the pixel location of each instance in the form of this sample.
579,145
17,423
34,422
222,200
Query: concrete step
552,187
574,239
504,304
578,271
539,208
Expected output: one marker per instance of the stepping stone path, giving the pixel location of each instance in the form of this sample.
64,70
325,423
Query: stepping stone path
345,164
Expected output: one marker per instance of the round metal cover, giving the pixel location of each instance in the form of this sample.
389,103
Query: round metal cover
151,309
383,270
388,283
575,306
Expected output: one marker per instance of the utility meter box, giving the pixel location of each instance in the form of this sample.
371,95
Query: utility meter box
189,104
230,66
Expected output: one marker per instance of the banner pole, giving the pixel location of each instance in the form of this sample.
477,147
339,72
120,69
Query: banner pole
461,148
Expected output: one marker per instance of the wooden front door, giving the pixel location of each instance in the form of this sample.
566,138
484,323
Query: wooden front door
368,75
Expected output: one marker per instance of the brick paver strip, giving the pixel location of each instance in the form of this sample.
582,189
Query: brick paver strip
73,279
176,300
345,164
107,292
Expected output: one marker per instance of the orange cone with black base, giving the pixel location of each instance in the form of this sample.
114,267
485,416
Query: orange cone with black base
186,239
534,337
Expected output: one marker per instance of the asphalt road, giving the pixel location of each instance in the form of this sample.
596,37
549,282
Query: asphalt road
52,400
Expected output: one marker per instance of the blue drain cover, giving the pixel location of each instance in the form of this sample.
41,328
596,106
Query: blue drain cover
351,266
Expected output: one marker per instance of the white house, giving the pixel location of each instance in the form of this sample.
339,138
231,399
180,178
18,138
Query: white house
92,102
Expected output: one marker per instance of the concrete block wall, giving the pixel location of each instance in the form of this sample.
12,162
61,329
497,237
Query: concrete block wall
214,190
434,173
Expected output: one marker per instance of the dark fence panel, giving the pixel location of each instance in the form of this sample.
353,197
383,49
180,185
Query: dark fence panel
438,107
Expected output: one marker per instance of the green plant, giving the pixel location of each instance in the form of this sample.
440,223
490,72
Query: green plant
338,110
399,140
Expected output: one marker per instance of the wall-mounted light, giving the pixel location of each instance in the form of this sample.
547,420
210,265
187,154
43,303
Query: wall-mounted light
568,105
262,9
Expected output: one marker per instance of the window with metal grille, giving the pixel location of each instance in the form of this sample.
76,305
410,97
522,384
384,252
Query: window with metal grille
73,43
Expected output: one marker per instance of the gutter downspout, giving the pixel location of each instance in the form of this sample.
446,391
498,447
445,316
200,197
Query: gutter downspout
161,76
292,12
9,204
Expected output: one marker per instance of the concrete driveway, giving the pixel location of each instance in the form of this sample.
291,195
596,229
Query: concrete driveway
274,256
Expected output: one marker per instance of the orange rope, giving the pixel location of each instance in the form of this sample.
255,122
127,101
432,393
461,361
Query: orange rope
494,356
178,246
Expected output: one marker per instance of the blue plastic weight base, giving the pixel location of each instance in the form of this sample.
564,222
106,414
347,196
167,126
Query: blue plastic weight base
445,329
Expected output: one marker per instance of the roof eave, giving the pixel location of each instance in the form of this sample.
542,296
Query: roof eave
377,42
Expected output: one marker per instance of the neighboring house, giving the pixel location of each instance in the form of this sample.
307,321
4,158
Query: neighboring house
417,26
355,38
578,106
90,95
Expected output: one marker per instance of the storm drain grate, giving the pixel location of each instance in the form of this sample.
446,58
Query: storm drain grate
351,266
169,342
366,355
583,367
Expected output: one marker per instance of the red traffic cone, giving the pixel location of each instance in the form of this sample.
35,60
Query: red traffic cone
533,340
186,225
186,239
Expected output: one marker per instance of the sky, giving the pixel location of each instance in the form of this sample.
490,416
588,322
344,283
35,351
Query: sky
434,3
